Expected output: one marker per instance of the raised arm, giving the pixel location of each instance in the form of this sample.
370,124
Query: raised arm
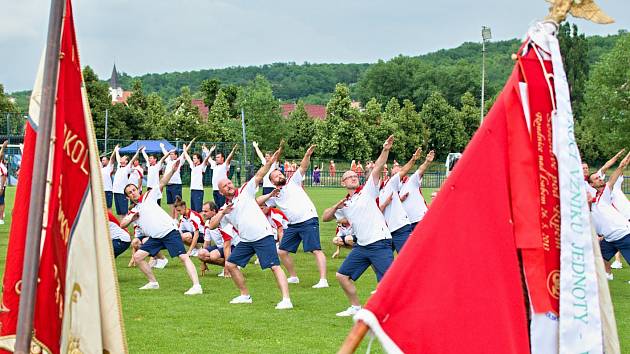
612,161
231,155
164,152
412,161
377,171
259,153
306,160
117,153
265,168
618,171
167,176
427,162
3,147
145,156
329,214
261,200
159,163
208,153
112,156
135,156
187,157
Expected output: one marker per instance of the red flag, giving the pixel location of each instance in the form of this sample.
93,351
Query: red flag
457,286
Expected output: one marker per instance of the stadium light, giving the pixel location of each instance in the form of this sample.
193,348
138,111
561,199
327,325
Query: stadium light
486,35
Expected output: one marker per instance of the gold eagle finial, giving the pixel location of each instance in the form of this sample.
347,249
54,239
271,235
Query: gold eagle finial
586,9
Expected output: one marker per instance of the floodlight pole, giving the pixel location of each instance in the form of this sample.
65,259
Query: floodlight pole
485,35
106,116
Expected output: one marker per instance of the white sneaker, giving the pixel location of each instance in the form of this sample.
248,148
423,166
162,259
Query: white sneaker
285,304
323,283
242,299
152,285
222,274
194,252
350,311
373,292
161,263
1,222
293,280
616,265
194,290
609,276
153,263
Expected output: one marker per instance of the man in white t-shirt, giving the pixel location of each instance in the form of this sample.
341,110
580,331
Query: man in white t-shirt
411,195
303,228
158,225
243,211
191,226
268,187
136,175
610,224
174,186
154,166
389,202
120,237
602,173
220,167
374,241
121,179
107,170
198,167
224,238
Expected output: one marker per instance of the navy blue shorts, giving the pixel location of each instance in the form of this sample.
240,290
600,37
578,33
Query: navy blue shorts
4,191
196,200
267,190
306,232
172,242
265,249
172,191
413,225
109,198
120,247
219,199
122,204
610,248
377,254
220,249
400,236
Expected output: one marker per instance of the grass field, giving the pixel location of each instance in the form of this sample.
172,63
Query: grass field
166,321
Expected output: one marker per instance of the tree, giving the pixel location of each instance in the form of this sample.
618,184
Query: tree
184,122
262,113
155,113
299,132
209,89
445,127
6,105
100,101
221,126
469,114
410,133
574,48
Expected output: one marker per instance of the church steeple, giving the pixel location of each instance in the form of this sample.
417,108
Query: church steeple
113,81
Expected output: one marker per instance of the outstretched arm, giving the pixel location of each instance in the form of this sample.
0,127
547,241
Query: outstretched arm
405,169
208,154
231,155
259,153
329,214
187,157
164,152
261,200
618,172
427,161
117,154
167,176
135,156
113,156
306,160
267,166
164,158
612,161
382,159
4,146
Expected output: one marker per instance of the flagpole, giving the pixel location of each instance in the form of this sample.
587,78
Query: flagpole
38,186
244,164
354,338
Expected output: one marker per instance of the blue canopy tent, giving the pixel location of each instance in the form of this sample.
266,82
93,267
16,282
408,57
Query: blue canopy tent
151,147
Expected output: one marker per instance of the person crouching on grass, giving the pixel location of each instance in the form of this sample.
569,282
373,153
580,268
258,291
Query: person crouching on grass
190,226
158,225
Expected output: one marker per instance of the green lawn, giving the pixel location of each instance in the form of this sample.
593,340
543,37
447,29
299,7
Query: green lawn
166,321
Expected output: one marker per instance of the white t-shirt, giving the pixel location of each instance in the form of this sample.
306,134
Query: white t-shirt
619,199
608,221
246,215
153,176
154,221
176,178
135,175
293,200
266,181
118,233
196,176
368,223
219,172
121,179
395,214
222,234
414,205
107,177
191,222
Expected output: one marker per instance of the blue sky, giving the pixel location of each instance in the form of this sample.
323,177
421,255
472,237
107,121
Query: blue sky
144,36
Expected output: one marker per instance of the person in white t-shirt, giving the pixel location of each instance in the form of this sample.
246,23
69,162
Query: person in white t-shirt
154,167
268,187
303,228
174,186
107,170
120,237
139,238
391,205
374,241
220,167
136,174
411,195
191,226
224,238
612,226
158,225
198,167
344,236
243,211
121,179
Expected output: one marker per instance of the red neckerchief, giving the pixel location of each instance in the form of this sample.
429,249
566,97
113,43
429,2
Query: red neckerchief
356,191
404,179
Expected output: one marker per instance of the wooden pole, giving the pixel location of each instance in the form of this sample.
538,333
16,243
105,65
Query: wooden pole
354,338
38,185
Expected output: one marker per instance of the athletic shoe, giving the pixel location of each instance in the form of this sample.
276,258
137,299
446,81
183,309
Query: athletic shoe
153,263
194,252
373,292
194,290
242,299
609,276
323,283
222,274
1,222
152,285
161,263
350,311
285,304
616,265
293,280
